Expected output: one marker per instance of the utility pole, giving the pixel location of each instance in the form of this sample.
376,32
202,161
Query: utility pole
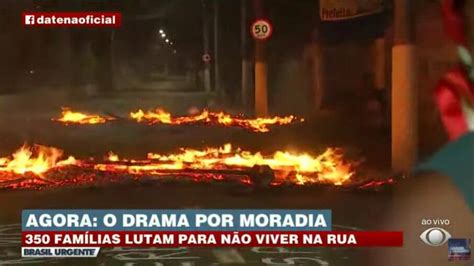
404,90
379,63
380,75
318,80
246,67
261,97
205,35
217,85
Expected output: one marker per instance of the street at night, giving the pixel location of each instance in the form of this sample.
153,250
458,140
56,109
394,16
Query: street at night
357,112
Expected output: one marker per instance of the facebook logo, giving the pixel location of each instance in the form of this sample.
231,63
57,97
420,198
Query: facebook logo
29,20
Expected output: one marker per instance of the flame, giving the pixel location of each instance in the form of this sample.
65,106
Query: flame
211,163
36,159
112,157
160,116
207,117
328,167
72,117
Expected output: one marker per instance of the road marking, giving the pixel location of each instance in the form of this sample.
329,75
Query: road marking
280,250
228,256
294,261
347,227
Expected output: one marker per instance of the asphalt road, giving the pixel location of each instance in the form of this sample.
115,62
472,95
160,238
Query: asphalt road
402,207
352,210
349,213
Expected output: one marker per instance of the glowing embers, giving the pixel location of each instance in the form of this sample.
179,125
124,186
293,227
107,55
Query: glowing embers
328,167
209,164
160,116
72,117
36,159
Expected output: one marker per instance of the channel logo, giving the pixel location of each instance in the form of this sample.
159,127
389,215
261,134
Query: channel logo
435,236
459,249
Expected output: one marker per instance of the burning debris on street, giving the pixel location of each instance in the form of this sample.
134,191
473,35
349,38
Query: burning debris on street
37,159
328,167
160,116
72,117
40,166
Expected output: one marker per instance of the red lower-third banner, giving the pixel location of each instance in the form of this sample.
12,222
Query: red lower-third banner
211,239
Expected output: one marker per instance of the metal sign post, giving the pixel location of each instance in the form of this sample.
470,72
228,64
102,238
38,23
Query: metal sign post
261,30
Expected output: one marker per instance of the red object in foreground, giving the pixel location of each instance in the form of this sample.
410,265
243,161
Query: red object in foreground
453,19
212,239
450,92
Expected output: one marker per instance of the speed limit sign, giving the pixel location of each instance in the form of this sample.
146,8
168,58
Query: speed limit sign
261,29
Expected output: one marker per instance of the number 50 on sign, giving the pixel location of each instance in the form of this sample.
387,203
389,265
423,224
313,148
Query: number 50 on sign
261,29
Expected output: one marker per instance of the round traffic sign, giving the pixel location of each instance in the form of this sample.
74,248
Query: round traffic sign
261,29
206,58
